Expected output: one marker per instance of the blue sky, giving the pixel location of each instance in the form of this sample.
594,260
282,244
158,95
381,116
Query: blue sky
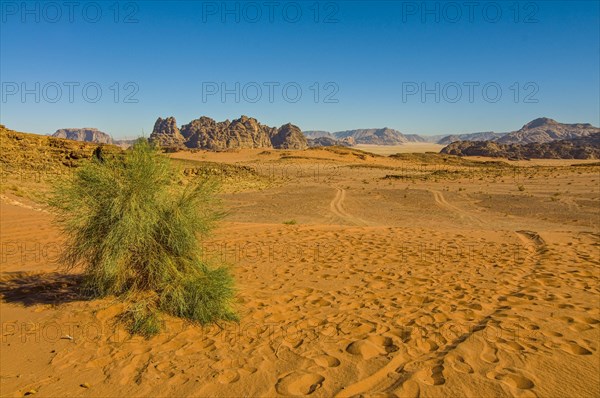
369,63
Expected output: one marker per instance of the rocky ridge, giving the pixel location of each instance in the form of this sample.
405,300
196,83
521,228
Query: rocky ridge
245,132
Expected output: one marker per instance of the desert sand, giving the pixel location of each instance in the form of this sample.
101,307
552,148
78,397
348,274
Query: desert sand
358,275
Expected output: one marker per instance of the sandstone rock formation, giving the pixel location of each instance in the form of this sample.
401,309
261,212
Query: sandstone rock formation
86,134
166,134
289,136
245,132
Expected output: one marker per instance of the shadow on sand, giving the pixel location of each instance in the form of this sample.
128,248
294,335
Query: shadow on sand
45,288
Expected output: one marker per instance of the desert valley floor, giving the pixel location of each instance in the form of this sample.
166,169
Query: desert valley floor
358,275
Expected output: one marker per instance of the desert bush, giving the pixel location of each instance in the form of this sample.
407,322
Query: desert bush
132,223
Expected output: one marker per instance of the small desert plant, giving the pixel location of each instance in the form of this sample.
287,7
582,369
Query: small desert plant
290,222
521,187
132,223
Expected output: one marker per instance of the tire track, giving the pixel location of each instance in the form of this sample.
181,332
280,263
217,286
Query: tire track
443,203
337,208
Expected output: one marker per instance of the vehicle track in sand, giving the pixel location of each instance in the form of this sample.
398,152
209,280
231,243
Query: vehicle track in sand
337,208
441,201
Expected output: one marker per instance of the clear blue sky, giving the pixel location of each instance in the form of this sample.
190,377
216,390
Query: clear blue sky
372,54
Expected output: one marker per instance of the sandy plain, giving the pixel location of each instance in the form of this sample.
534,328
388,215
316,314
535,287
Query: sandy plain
358,275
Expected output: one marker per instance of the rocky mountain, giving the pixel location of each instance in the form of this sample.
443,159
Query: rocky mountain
546,130
245,132
586,147
86,134
384,136
483,136
289,137
167,134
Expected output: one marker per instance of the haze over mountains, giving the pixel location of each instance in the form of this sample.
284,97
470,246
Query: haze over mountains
539,130
382,136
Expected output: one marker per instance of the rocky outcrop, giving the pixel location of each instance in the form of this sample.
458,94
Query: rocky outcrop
166,134
245,132
289,136
587,147
86,134
546,130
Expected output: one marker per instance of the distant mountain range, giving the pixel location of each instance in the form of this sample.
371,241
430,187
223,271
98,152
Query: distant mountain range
387,136
541,138
540,130
247,132
382,136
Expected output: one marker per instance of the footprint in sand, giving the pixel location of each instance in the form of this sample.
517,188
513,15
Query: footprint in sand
372,346
326,361
459,364
299,383
489,354
228,376
427,345
512,379
434,376
573,348
408,389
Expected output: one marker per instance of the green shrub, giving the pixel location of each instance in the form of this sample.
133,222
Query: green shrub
133,224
